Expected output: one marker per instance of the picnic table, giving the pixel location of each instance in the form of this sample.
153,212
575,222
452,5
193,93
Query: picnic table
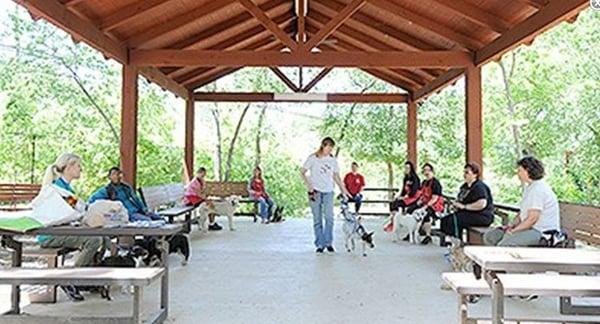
489,261
8,239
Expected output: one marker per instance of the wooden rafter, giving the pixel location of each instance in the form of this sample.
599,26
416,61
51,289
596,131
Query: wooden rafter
284,79
334,23
547,17
538,4
216,30
156,31
301,97
240,41
437,84
155,75
71,3
216,74
446,32
129,13
395,59
301,14
316,79
476,15
382,74
269,24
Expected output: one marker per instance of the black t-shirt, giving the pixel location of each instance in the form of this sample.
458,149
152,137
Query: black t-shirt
436,186
477,191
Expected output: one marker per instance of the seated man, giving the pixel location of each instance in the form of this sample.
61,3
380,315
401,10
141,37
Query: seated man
538,210
120,191
355,183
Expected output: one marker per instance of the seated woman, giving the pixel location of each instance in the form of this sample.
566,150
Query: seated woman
60,175
431,200
258,193
194,196
474,204
410,190
539,210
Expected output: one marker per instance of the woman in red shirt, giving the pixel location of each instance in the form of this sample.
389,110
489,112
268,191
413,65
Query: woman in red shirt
257,191
431,200
355,183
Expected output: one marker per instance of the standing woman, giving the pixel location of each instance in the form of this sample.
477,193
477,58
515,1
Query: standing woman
324,170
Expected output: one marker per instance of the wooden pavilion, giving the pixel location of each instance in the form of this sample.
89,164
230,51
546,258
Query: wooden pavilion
419,46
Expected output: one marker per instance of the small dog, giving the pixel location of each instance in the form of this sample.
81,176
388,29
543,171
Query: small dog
178,243
459,260
226,207
354,230
125,258
408,225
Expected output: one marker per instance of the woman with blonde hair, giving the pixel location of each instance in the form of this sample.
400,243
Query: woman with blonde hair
60,175
324,171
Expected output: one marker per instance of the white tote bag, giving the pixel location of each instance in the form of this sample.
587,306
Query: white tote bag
50,208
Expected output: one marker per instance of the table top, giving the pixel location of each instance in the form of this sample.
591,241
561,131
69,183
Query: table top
165,230
534,259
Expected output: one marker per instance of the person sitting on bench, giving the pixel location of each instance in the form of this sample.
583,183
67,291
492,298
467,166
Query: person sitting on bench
258,193
355,183
60,174
194,196
123,192
539,211
410,193
431,200
474,204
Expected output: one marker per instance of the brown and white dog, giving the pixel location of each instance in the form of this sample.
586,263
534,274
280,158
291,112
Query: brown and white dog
226,207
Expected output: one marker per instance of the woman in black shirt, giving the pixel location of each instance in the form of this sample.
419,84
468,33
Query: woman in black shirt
474,204
410,190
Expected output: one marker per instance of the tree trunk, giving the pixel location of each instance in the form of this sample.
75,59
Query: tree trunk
510,105
259,134
347,119
232,144
390,169
217,165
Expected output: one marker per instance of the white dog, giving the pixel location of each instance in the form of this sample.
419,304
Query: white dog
353,231
408,225
226,207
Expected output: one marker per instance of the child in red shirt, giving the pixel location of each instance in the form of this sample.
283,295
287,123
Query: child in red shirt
355,183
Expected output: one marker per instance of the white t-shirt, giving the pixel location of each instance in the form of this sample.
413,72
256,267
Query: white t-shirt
538,195
321,172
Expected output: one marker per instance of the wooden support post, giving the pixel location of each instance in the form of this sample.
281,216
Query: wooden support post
411,132
473,115
189,137
129,97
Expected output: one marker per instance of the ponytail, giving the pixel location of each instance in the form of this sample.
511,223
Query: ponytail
55,170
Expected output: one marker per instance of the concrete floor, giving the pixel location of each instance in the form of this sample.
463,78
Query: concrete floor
270,274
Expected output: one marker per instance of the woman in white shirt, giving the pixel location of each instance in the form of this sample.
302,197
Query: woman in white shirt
324,171
539,211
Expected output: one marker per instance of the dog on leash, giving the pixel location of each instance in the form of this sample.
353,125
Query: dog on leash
178,243
355,231
226,207
408,225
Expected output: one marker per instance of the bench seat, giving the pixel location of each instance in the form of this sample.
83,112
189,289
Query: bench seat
176,211
527,284
136,277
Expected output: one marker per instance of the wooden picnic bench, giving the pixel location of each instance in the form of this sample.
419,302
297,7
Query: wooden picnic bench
222,189
167,200
465,284
139,278
17,196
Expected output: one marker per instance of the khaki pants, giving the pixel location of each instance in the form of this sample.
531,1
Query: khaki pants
88,246
497,237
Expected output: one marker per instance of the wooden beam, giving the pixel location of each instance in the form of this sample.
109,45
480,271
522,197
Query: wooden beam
189,137
473,115
538,4
546,18
127,14
476,15
155,75
382,75
284,79
437,84
301,14
411,132
457,38
301,97
269,24
60,16
156,31
129,123
316,79
71,3
276,58
334,23
212,77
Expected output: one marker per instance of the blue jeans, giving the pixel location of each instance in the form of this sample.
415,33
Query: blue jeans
322,207
265,206
150,216
357,199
